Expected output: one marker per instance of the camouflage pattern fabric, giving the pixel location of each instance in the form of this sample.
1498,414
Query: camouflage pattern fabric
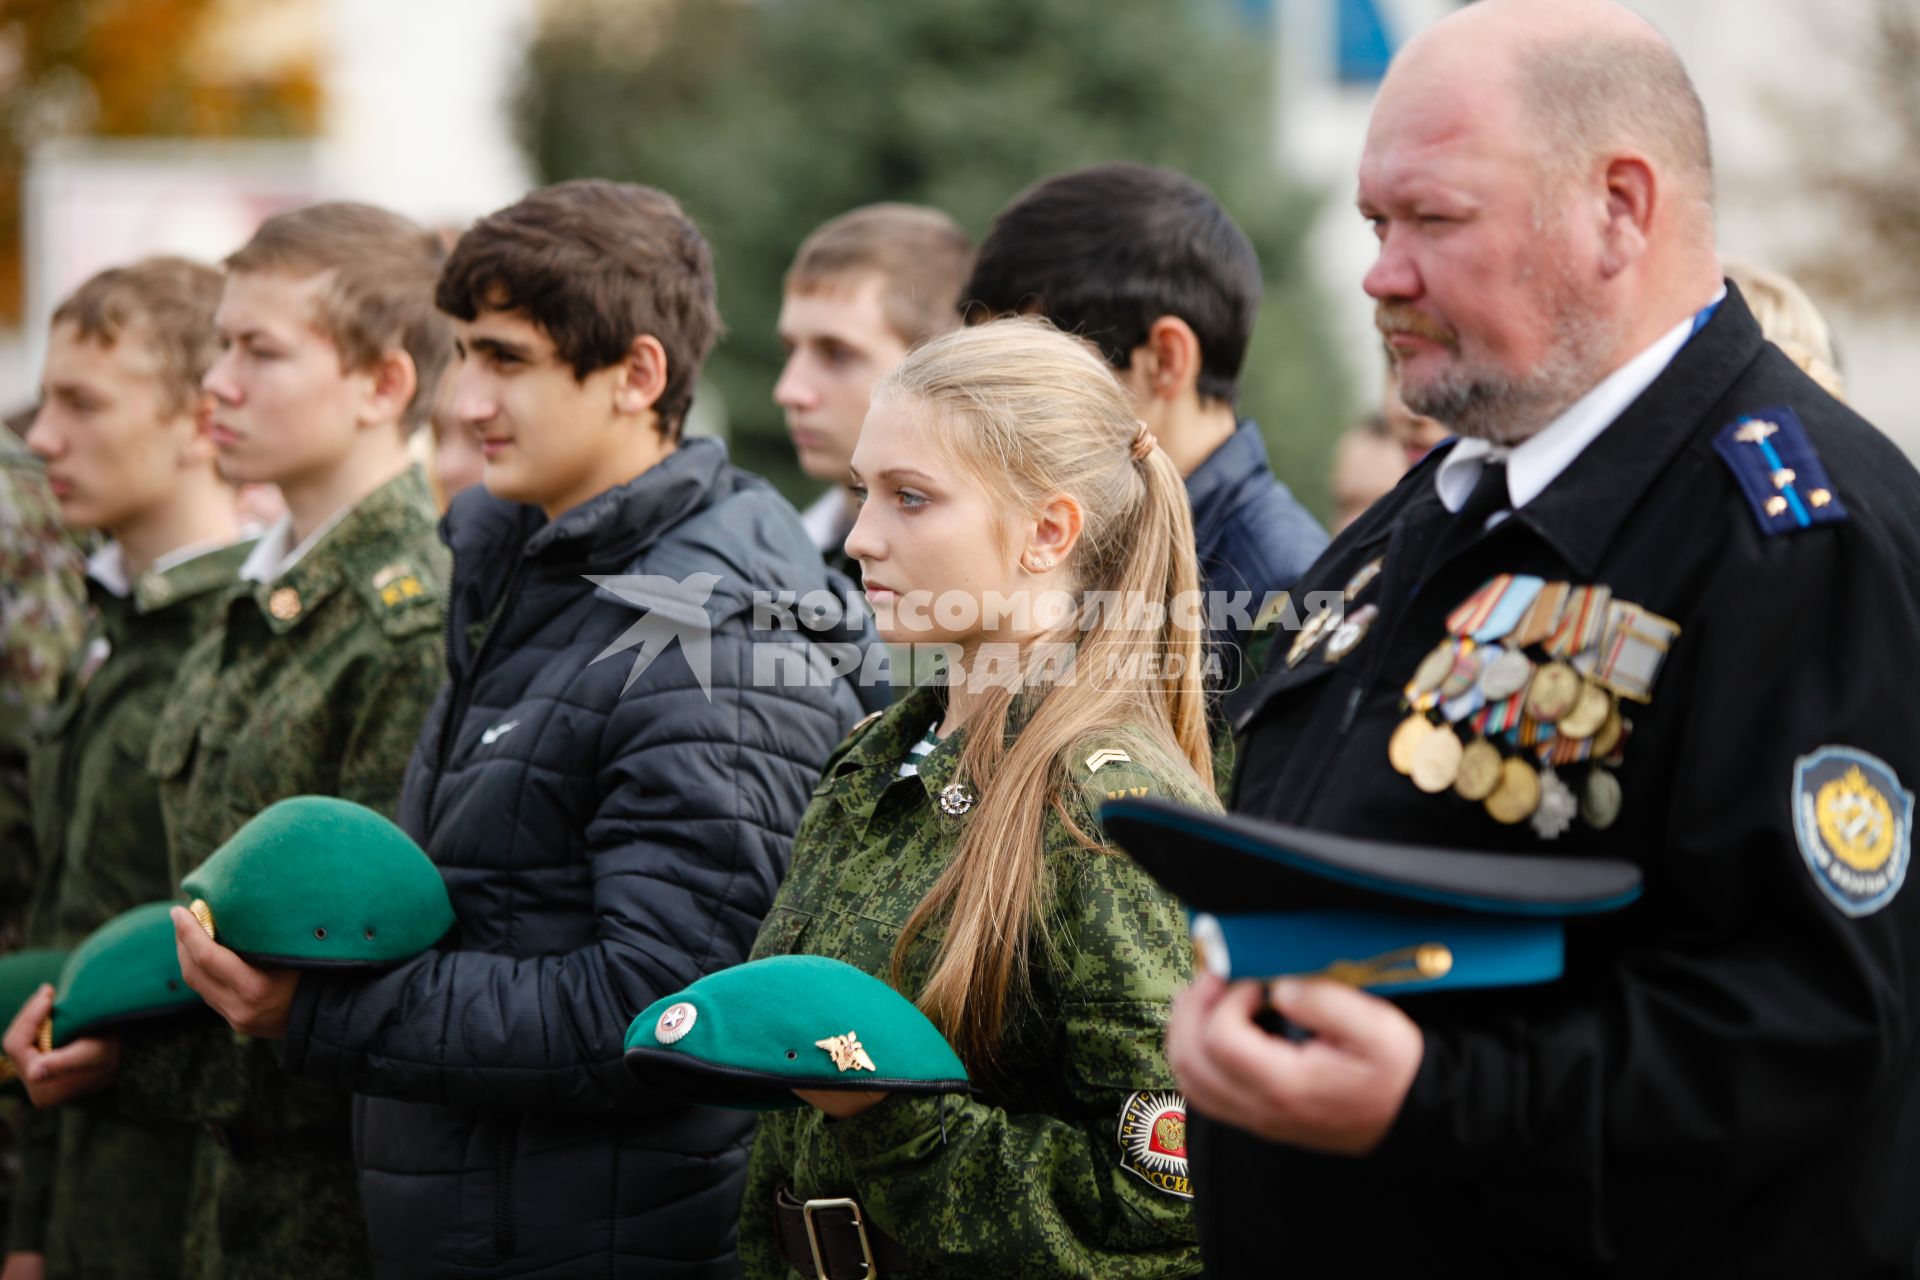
96,821
316,684
1030,1178
42,619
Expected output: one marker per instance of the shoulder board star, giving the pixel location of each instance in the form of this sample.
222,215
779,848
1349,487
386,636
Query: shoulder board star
1779,473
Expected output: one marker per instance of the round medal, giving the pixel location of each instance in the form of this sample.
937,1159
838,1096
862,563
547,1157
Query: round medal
1437,762
1589,713
1600,799
1350,633
1479,771
1405,741
1433,669
1517,795
1610,732
1506,675
1555,688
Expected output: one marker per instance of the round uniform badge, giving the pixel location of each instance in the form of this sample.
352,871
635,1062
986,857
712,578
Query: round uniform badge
1854,823
675,1021
1153,1142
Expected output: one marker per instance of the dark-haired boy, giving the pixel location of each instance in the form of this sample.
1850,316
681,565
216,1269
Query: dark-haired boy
1145,264
612,810
315,682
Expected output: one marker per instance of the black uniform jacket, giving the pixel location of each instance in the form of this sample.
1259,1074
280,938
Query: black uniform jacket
1725,1082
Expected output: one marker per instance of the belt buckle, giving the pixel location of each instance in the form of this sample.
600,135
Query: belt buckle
807,1211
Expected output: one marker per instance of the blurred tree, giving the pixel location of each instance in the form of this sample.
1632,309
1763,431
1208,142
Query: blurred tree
138,68
767,118
1875,178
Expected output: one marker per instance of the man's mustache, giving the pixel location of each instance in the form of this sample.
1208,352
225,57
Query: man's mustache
1392,318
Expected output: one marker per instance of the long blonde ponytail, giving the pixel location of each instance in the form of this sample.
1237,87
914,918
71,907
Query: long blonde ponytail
1031,413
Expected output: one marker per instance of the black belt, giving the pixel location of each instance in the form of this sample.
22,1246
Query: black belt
833,1239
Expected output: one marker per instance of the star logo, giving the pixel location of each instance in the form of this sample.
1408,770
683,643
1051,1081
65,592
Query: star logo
669,610
847,1052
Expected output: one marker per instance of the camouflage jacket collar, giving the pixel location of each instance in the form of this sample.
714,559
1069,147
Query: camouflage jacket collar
382,527
157,591
871,763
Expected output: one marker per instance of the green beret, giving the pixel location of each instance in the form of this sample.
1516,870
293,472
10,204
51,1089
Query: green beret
127,970
321,883
745,1038
22,974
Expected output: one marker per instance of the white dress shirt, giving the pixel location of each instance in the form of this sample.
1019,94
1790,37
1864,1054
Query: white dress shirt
1534,463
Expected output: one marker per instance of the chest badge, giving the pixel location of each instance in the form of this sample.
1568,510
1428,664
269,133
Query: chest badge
956,798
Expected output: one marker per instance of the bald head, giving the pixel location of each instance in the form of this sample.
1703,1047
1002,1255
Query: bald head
1587,78
1538,174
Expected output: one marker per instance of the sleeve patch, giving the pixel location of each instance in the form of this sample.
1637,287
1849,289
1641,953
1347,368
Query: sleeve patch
1854,823
1153,1142
1779,473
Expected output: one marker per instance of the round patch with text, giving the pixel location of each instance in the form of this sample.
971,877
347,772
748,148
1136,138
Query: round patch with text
1153,1142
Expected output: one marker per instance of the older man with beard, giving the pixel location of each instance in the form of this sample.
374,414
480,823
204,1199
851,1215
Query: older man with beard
1654,604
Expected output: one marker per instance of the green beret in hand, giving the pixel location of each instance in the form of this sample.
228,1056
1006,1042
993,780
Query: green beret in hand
127,970
745,1038
21,974
316,882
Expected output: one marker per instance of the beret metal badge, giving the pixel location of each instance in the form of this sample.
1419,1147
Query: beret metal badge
675,1021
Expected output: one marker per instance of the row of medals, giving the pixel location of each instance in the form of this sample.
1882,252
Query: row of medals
1540,705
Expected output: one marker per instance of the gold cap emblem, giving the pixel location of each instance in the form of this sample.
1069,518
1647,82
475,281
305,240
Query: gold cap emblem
203,913
848,1054
44,1041
284,604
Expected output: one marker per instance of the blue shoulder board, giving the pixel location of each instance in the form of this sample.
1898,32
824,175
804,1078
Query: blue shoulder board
1779,472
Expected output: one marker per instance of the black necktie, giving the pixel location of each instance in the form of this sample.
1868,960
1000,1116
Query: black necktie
1470,521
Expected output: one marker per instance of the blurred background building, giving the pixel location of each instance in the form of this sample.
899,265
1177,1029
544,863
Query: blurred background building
135,126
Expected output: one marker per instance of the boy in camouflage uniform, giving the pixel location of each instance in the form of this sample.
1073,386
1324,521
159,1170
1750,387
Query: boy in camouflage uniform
317,683
41,616
126,451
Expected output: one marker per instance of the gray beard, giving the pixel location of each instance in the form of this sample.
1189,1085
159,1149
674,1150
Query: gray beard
1507,410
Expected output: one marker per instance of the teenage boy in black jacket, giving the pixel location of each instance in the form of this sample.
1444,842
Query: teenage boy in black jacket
612,810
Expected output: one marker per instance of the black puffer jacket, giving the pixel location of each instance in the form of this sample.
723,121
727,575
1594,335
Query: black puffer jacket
602,848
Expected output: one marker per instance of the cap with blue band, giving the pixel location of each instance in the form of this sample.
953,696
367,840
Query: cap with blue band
1274,900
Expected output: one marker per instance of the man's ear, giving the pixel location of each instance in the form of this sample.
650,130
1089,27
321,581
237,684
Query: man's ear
196,441
643,377
1632,193
1167,365
391,382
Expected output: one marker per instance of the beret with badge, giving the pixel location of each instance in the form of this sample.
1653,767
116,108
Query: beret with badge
1271,900
127,970
315,882
745,1038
